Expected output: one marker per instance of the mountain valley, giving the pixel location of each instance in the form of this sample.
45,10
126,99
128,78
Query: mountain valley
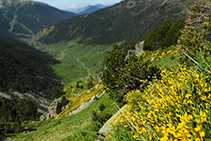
139,64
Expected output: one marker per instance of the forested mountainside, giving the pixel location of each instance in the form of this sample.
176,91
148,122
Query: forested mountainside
25,69
22,19
165,86
27,84
125,21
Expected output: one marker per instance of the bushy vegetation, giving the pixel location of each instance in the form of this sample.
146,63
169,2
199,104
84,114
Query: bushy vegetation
79,96
99,119
61,104
176,107
121,74
13,113
171,103
164,36
26,69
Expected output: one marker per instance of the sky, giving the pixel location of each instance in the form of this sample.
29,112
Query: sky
75,4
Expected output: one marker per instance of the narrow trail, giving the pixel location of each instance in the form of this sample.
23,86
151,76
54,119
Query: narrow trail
88,71
83,65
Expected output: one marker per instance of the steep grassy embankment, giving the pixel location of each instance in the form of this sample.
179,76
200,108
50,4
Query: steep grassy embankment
76,127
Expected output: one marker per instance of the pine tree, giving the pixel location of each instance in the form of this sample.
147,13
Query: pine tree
121,74
164,36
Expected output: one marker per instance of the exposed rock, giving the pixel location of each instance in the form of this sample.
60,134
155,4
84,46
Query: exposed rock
7,139
5,95
43,117
38,100
106,127
19,95
41,111
53,106
139,48
84,105
51,110
137,51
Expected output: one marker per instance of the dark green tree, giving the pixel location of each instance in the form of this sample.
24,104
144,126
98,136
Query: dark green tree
58,108
26,110
173,33
121,75
61,104
77,84
57,92
90,83
102,107
164,36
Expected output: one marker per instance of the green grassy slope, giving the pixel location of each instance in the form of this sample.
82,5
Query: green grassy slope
76,127
76,59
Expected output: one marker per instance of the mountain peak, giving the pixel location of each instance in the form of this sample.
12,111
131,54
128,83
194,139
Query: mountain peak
4,3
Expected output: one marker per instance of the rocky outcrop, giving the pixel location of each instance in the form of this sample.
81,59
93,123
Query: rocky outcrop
139,48
137,51
5,95
51,110
107,126
85,104
36,98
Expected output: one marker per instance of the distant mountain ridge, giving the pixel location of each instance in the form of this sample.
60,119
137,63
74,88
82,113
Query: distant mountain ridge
90,9
80,10
22,19
125,21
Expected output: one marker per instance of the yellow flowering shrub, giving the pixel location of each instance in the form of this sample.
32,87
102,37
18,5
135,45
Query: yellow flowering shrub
156,55
174,108
76,101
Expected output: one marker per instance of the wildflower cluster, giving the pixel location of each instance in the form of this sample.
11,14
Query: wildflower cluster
177,106
174,108
76,101
156,55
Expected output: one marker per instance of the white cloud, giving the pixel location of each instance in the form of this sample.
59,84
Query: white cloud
72,6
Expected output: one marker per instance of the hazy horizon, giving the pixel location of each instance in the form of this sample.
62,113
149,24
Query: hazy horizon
73,5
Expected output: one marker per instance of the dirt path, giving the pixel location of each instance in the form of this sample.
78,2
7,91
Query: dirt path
83,65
